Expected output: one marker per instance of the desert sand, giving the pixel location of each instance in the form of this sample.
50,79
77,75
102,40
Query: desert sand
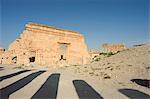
110,77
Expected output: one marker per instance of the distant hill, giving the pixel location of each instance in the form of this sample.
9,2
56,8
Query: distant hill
126,65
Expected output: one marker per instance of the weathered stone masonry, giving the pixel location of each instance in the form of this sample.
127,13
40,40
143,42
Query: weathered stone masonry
46,45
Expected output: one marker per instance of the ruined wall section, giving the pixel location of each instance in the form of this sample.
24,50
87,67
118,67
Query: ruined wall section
31,44
2,50
42,42
113,47
77,50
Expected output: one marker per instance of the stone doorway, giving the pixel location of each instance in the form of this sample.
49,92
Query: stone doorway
63,51
32,56
32,59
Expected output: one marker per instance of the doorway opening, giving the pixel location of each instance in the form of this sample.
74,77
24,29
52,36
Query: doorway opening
32,59
63,47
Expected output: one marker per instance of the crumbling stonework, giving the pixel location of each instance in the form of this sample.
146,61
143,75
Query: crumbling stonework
113,47
46,45
2,50
93,53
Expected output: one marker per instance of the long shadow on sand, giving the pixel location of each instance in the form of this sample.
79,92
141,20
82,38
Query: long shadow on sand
85,91
49,89
6,91
134,94
1,68
11,75
142,82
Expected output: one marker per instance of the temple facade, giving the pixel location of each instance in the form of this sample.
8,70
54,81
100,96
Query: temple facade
46,45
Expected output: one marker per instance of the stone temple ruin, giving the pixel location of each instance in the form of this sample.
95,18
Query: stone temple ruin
113,47
46,45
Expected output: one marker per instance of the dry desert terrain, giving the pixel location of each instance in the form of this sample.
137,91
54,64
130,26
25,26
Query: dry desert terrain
125,75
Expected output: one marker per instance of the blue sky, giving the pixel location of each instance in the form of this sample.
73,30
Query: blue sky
100,21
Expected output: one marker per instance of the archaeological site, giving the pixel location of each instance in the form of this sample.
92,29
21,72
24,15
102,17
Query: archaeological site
113,47
45,45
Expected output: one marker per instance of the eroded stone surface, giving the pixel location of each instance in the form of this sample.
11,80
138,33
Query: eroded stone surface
113,47
2,50
46,45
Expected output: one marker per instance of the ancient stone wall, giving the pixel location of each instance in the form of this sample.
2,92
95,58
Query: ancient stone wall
113,47
40,44
2,50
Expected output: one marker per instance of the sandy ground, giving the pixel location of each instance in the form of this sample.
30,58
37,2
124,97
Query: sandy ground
106,77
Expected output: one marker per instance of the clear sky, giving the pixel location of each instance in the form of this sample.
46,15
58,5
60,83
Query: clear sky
100,21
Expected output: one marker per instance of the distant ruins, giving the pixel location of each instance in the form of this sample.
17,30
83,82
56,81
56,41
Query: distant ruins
113,47
93,53
46,45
